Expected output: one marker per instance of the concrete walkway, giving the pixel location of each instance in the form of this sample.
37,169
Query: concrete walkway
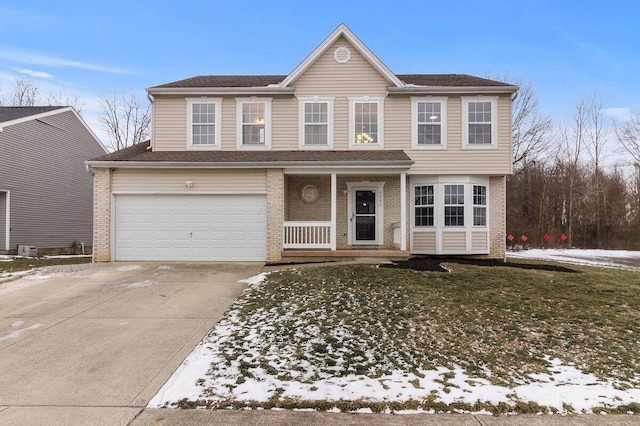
93,347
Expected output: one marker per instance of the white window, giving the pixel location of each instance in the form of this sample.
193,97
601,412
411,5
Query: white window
479,122
366,122
316,123
428,123
479,205
423,205
454,205
253,123
203,123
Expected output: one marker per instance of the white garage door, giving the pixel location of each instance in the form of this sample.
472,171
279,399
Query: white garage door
190,227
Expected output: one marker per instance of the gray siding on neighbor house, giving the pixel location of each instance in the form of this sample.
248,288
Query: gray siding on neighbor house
51,191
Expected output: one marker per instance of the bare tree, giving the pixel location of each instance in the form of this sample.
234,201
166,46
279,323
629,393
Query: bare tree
64,99
531,129
126,120
23,93
629,136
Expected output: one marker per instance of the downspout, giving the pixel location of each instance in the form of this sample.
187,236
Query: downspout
150,97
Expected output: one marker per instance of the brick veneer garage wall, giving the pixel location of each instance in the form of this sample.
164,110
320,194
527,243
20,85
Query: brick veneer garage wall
101,215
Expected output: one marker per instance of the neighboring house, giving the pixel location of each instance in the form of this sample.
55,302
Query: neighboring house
45,189
340,157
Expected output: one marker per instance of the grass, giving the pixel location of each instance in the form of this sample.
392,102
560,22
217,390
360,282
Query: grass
497,324
26,263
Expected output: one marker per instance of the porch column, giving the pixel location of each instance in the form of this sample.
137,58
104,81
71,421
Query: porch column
334,204
403,211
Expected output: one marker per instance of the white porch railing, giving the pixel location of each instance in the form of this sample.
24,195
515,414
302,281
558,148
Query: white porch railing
306,235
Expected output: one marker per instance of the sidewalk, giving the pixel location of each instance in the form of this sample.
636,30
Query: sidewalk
163,417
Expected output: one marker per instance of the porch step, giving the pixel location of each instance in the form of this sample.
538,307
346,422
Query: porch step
328,255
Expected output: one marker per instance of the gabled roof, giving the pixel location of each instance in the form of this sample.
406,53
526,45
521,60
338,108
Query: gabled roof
282,84
140,156
15,113
343,31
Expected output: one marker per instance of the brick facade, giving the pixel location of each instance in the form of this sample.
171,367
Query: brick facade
101,215
498,217
275,213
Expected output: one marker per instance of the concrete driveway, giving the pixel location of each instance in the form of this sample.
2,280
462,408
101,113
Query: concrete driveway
93,347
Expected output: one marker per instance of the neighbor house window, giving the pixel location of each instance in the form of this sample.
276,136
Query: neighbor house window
366,122
316,123
454,205
479,127
479,205
203,123
254,122
428,123
423,205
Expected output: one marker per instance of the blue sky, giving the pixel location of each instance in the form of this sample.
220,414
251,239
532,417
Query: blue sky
565,48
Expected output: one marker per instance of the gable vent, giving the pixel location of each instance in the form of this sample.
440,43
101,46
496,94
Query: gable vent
342,55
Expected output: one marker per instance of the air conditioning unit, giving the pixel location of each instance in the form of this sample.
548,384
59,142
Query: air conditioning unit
27,251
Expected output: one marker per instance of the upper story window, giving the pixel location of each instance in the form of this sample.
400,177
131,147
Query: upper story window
253,123
203,123
428,123
479,122
316,123
366,122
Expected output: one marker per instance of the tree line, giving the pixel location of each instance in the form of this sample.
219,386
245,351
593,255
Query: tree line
579,178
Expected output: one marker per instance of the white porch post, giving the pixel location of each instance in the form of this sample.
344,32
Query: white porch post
403,211
334,204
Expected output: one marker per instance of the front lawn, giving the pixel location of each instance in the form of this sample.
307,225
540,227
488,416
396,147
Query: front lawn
12,265
479,339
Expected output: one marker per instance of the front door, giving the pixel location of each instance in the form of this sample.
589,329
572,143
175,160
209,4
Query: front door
365,213
365,217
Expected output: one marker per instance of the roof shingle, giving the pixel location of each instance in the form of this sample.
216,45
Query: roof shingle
14,113
142,153
432,80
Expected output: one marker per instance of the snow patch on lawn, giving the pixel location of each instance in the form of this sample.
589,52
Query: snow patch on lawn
615,258
195,379
256,279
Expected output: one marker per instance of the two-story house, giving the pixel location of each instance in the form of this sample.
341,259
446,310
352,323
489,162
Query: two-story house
339,157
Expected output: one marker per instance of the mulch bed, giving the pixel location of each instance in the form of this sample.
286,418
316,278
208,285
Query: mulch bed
434,264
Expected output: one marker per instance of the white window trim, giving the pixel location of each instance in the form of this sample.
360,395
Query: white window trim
218,132
301,123
414,206
465,121
267,123
443,122
352,118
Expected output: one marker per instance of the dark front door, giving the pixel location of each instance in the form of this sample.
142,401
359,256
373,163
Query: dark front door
365,216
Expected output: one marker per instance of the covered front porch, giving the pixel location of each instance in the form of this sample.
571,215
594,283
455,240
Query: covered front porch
330,215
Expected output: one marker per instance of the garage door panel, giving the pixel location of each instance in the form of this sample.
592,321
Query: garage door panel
190,227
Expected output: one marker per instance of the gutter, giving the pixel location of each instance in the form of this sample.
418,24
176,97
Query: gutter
247,165
473,90
263,90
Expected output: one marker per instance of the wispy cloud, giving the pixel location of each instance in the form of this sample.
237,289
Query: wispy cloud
35,58
37,74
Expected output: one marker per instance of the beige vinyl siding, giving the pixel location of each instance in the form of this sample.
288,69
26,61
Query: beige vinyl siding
173,180
454,159
454,242
169,123
478,241
424,242
284,130
326,77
